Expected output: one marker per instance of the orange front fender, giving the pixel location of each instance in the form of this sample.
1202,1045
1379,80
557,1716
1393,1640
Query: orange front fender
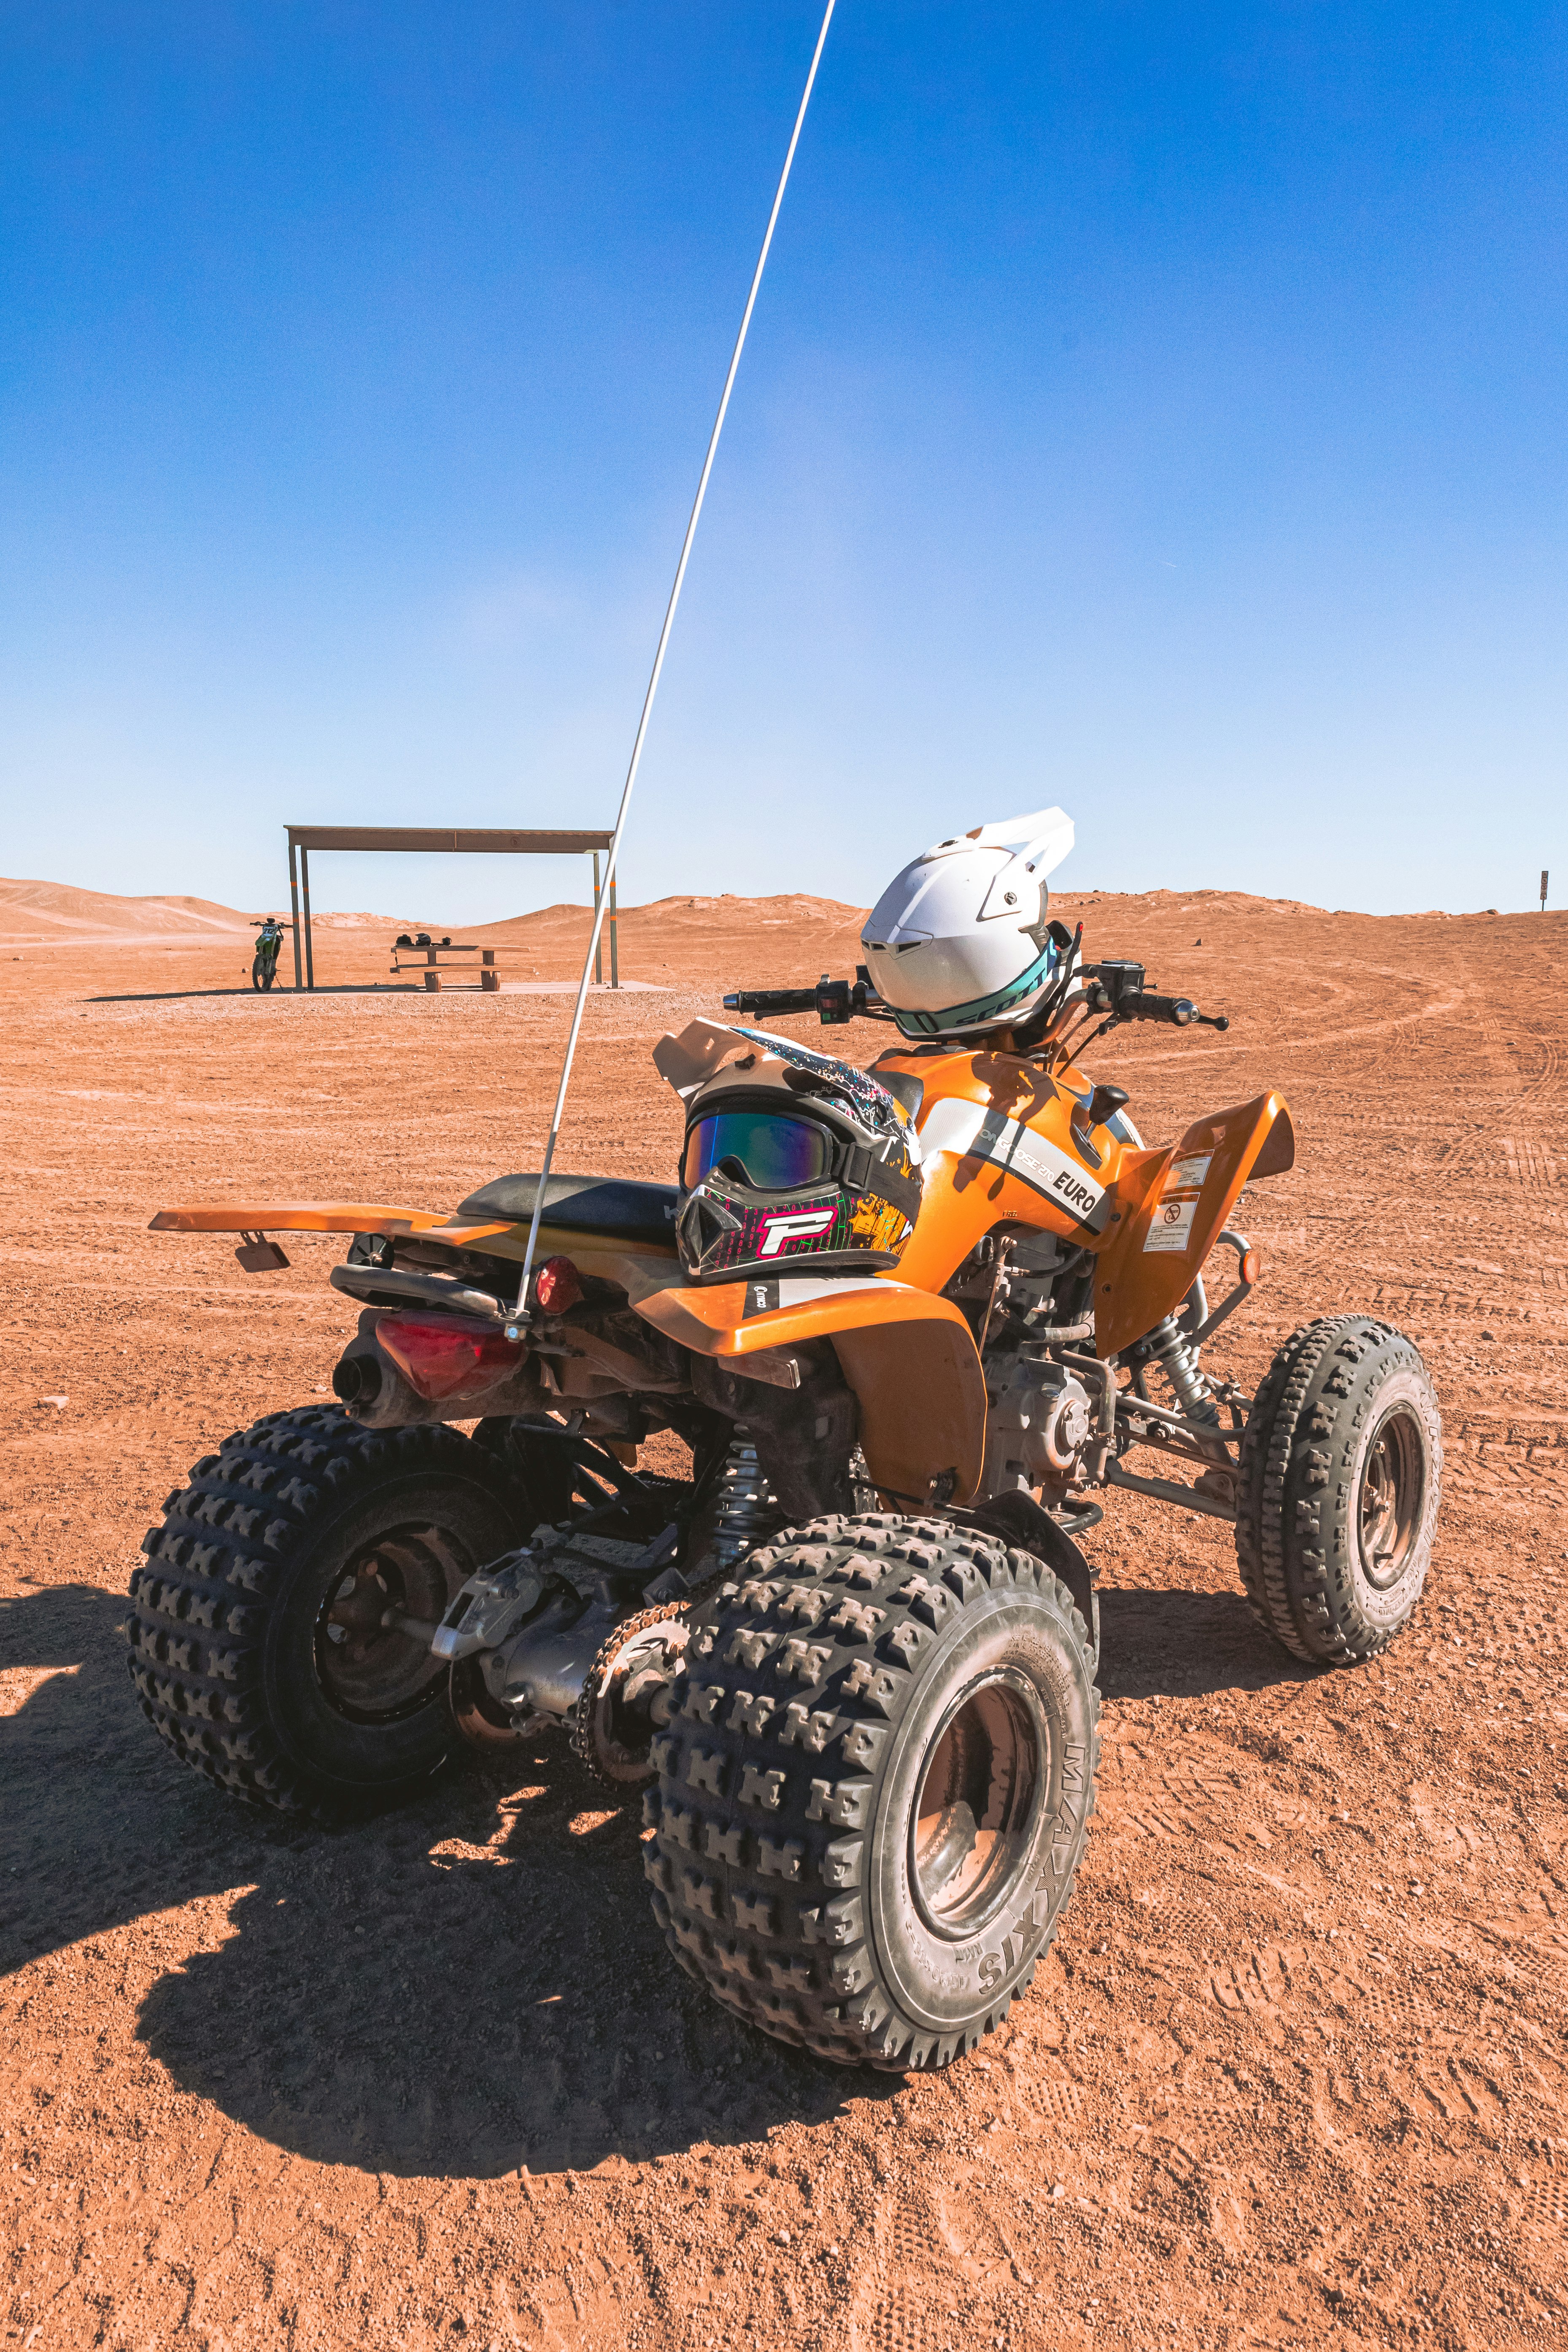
1171,1207
909,1357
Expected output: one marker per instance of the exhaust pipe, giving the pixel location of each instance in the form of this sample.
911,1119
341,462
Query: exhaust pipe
379,1395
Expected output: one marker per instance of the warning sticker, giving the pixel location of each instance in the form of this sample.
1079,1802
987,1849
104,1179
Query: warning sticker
1189,1173
1173,1226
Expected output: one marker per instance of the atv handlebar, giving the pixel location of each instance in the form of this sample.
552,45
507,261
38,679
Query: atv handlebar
1117,988
834,1001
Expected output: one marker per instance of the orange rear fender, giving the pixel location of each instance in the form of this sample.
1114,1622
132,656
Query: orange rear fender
909,1357
634,1268
301,1217
1170,1208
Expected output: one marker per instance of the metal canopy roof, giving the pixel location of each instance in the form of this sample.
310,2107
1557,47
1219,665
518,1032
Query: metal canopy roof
425,838
466,840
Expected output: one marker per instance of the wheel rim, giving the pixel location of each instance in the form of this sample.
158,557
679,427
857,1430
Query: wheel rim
981,1785
368,1670
1391,1497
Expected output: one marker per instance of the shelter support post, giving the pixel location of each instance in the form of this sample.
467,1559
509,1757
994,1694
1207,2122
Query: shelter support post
598,965
294,901
615,943
305,886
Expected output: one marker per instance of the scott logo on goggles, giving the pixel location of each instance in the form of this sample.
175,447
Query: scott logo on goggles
791,1225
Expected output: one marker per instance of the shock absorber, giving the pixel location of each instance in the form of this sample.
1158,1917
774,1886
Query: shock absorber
746,1512
1177,1359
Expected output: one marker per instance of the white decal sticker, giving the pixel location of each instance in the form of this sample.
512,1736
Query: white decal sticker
1189,1173
970,1131
765,1296
1173,1226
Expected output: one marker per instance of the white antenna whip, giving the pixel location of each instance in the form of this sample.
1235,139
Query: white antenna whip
513,1329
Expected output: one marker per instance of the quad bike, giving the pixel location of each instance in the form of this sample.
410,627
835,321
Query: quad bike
850,1659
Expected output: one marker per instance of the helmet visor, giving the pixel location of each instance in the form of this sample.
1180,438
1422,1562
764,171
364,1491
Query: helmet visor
758,1149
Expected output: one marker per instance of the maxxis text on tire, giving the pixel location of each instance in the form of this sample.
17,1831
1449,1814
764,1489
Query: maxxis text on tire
257,1648
1340,1481
875,1786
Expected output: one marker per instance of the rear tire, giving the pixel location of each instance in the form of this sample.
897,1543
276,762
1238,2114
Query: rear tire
1338,1487
875,1786
257,1648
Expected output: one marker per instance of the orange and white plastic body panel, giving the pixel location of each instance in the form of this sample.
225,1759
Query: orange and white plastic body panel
909,1357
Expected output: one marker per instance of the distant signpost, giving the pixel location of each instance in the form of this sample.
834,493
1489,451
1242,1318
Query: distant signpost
1545,878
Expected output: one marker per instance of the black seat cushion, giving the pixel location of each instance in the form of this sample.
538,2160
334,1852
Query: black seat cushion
613,1205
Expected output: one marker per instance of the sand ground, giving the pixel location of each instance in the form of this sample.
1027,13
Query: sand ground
1294,2072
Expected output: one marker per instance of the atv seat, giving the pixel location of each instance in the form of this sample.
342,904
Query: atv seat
614,1206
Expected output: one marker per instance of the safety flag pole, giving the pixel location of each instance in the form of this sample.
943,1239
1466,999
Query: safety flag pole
515,1328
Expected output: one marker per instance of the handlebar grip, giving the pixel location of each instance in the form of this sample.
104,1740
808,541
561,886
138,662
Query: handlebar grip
1180,1011
834,1001
772,1000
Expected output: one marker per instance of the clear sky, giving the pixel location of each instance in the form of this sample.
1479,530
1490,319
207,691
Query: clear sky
1155,410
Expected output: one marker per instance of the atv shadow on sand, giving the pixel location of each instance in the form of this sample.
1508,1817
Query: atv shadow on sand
1186,1644
467,1985
470,1986
457,1988
91,1838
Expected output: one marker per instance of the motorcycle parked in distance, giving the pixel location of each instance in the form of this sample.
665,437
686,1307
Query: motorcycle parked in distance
264,970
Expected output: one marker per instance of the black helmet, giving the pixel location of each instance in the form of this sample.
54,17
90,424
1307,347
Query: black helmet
790,1157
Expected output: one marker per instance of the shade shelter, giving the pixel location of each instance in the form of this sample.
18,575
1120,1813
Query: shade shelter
473,841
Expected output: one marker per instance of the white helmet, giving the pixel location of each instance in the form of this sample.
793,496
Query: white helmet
960,942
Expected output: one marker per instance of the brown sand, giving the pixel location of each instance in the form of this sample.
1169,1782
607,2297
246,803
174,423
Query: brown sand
1294,2071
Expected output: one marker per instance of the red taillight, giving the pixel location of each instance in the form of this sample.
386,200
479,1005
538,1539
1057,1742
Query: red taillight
557,1285
1251,1266
443,1356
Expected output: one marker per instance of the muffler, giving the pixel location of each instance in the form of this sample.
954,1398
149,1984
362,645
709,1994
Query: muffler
378,1394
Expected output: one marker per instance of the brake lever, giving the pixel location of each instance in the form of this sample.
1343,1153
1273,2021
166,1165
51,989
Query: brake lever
1185,1013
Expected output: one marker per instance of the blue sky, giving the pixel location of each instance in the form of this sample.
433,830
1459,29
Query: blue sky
1155,411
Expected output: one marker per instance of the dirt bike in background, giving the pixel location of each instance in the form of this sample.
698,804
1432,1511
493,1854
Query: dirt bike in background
851,1659
264,970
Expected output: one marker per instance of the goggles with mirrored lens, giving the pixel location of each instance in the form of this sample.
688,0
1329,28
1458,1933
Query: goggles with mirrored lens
758,1149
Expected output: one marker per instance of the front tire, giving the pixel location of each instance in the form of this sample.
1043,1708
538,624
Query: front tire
1340,1481
258,1646
875,1787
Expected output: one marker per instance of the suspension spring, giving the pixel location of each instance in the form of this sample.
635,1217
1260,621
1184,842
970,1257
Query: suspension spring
747,1512
1177,1359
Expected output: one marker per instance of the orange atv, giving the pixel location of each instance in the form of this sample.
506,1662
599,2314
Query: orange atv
853,1656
